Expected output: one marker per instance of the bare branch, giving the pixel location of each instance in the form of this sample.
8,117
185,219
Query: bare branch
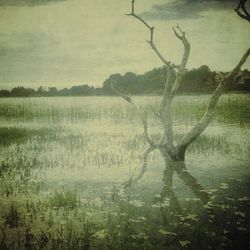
242,11
142,114
165,110
219,77
133,180
124,96
180,34
171,86
245,10
151,30
138,17
145,127
204,121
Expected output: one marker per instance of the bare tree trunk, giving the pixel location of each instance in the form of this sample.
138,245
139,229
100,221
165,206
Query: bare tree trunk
172,84
171,152
206,118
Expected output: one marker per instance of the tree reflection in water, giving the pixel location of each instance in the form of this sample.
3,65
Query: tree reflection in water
167,200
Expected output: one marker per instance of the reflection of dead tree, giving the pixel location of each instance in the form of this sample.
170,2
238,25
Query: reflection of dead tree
167,190
242,11
175,152
134,179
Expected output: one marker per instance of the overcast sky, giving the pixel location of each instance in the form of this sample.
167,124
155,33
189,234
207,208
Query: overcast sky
70,42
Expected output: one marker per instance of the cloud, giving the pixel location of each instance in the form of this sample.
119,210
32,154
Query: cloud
27,2
21,54
187,9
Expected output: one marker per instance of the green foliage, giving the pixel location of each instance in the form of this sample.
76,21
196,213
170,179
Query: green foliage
65,199
50,143
129,223
12,218
200,80
21,91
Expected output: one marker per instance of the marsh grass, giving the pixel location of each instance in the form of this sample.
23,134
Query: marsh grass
76,109
63,162
65,199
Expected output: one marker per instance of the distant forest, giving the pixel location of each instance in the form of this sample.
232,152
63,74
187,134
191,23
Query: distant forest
200,80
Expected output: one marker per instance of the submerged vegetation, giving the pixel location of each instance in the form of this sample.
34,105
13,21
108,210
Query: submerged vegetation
64,163
82,173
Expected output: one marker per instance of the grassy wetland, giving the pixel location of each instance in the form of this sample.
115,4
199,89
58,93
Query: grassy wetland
64,163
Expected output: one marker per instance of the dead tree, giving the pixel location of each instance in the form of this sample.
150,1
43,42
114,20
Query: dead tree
242,11
174,153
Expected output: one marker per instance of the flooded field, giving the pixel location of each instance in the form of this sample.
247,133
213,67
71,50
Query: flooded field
65,165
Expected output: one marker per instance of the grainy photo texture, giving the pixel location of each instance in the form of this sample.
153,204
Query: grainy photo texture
124,124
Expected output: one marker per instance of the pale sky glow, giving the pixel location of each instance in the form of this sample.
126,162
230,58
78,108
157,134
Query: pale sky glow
82,42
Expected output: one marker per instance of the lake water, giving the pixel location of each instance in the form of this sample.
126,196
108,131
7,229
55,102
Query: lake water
90,146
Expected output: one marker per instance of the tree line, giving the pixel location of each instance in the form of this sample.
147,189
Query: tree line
200,80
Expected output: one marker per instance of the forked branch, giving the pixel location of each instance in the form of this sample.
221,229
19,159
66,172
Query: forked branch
151,30
124,96
173,79
242,11
204,121
172,85
180,34
133,180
